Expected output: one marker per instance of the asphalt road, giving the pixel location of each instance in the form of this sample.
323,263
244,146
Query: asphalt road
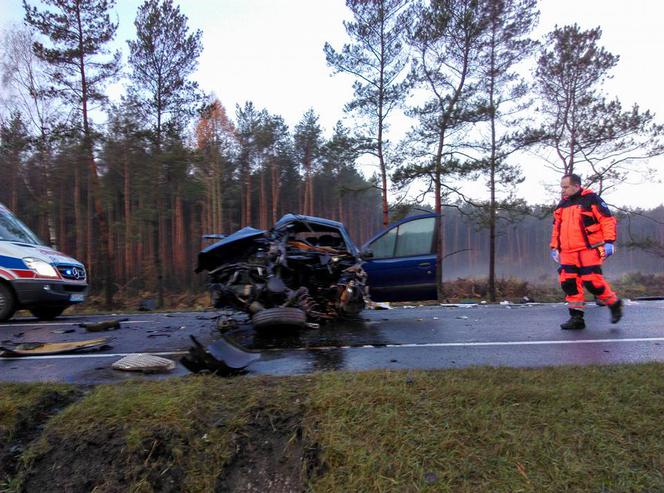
404,338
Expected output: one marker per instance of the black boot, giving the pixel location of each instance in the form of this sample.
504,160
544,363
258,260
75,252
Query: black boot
575,321
616,311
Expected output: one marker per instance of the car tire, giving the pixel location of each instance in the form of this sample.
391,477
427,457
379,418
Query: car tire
47,312
271,317
7,303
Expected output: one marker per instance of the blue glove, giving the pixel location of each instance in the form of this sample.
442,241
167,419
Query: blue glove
555,255
609,249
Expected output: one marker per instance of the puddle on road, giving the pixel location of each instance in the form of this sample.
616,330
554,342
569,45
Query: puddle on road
322,346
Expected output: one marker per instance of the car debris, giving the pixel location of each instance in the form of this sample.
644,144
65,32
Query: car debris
383,305
143,362
63,331
48,348
304,269
226,323
147,305
102,326
223,357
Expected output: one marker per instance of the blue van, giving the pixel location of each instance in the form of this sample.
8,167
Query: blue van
33,276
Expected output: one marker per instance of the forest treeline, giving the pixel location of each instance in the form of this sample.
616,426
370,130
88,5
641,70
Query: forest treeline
164,206
523,245
132,197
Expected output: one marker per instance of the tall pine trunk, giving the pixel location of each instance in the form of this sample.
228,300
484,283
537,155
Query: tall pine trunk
262,201
275,190
128,243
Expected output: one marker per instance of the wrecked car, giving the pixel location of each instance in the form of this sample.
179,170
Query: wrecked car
303,269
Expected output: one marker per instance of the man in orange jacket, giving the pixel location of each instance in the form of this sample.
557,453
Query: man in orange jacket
583,236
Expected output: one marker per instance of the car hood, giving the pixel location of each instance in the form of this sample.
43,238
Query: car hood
210,255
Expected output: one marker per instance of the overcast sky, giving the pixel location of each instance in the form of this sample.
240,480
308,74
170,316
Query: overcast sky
271,52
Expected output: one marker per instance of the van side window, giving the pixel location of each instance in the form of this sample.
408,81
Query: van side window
383,247
415,237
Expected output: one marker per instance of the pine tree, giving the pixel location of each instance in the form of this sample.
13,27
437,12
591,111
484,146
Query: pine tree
307,146
217,146
589,133
14,146
338,156
506,45
377,59
78,33
447,38
248,121
162,58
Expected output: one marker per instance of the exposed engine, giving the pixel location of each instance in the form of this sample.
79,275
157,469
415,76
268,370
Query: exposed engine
302,262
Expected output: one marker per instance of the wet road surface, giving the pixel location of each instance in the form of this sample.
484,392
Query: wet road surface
404,338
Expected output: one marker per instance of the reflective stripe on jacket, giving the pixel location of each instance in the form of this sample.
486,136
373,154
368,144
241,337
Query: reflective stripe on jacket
582,221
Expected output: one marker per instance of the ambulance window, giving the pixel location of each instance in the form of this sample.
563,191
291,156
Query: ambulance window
11,229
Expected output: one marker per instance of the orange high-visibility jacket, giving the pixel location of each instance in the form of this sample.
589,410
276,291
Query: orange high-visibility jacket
581,222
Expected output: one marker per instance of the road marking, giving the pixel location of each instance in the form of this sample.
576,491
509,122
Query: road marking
364,346
472,344
70,356
72,323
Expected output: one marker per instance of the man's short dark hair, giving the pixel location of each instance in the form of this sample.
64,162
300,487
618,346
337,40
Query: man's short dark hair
574,178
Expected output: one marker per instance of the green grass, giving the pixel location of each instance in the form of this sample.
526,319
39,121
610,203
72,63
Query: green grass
185,427
480,429
555,429
18,401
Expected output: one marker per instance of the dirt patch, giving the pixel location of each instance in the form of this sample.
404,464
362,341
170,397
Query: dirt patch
231,446
102,463
30,423
271,456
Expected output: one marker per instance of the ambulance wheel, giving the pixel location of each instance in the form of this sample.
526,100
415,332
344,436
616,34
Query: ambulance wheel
47,312
7,303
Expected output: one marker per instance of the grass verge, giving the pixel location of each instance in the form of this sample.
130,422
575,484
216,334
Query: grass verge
479,429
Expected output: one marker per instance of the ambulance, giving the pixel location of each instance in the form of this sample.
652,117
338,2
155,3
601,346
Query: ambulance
33,276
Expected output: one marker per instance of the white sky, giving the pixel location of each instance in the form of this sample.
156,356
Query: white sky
271,52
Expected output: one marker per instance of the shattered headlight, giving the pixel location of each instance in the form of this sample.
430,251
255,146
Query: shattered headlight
40,267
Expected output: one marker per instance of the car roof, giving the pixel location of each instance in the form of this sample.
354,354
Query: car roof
288,218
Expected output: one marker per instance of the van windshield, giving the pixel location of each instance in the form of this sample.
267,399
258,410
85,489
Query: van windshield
11,229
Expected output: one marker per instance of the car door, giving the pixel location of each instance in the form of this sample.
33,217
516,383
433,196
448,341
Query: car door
403,266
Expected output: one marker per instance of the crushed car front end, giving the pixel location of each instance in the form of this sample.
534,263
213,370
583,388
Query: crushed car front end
303,264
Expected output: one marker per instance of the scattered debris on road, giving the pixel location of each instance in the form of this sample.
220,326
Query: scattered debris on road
48,348
382,305
226,323
143,362
223,357
63,331
103,326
